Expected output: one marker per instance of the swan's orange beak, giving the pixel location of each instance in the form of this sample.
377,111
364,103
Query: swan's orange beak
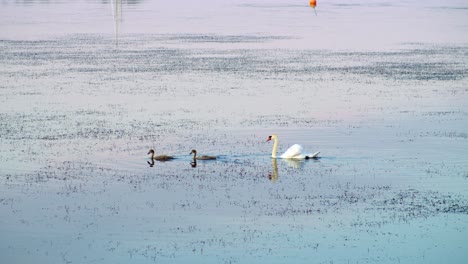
268,139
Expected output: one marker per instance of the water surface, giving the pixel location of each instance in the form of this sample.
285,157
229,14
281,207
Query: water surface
88,87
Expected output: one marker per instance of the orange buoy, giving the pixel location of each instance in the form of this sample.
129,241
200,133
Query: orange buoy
313,4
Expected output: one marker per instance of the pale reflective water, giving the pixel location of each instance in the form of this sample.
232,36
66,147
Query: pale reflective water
88,87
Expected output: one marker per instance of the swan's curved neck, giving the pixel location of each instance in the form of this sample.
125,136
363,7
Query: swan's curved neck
275,147
194,155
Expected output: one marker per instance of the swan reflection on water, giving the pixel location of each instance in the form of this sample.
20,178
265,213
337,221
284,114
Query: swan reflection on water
292,163
273,176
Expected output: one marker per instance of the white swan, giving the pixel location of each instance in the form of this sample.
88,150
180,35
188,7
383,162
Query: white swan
294,152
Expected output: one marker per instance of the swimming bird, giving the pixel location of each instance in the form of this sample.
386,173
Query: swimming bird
294,152
159,157
204,157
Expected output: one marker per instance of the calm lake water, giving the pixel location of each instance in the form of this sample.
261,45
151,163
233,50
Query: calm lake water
380,88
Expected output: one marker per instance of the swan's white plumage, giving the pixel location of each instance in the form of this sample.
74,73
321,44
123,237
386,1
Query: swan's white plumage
294,152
